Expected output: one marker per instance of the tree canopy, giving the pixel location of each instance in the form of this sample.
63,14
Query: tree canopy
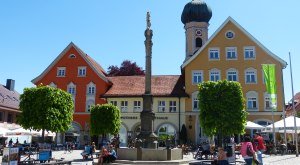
127,68
105,119
222,108
46,108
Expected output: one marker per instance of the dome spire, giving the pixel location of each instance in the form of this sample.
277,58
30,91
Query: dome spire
196,11
195,17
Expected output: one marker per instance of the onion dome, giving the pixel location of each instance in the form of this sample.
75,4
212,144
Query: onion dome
196,11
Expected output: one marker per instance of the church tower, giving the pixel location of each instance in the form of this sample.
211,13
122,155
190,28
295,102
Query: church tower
195,17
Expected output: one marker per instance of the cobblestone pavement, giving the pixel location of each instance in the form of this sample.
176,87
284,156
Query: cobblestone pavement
281,160
77,158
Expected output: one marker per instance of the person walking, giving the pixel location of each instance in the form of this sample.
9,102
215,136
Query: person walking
247,150
260,146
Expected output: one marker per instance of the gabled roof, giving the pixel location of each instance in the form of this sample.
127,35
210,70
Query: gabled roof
134,86
9,100
229,19
296,103
91,62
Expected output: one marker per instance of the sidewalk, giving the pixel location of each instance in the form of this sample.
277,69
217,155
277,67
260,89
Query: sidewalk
76,157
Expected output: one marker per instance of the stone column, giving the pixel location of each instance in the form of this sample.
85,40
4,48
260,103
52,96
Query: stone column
147,134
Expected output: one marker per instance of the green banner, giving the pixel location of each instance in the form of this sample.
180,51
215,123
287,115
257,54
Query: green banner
270,79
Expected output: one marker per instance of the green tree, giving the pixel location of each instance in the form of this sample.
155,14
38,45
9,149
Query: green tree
127,68
105,119
45,108
222,108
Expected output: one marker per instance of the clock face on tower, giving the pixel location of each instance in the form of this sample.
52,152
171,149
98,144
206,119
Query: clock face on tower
198,32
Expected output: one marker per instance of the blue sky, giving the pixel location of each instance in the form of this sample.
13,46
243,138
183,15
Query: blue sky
34,32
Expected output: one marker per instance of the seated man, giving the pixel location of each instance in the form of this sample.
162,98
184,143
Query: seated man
87,151
112,155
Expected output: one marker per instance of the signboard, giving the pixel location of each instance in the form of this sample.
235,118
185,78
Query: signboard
10,156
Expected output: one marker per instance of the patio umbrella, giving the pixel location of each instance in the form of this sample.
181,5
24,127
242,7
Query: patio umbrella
288,131
252,125
3,131
21,131
279,125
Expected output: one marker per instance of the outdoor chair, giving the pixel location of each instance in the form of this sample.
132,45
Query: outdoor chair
44,156
87,152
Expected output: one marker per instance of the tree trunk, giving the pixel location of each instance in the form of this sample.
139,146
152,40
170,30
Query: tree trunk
43,135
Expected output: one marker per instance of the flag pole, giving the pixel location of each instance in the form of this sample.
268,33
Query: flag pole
283,112
293,104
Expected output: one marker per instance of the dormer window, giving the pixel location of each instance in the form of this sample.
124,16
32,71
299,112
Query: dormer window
72,56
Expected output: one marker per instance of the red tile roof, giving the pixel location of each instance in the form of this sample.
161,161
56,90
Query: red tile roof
134,86
289,107
9,99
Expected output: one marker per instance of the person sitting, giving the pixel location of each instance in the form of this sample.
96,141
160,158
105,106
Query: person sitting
222,157
103,156
206,150
112,155
93,149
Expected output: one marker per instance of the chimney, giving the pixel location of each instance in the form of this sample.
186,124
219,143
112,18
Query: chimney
10,84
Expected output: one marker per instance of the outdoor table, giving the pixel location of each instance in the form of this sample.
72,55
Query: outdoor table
30,161
202,162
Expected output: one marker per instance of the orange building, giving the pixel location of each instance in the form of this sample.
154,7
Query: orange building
77,73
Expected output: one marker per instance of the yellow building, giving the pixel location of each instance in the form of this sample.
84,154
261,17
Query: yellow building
230,53
168,103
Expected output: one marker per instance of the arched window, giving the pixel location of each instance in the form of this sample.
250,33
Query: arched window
232,74
123,136
52,84
91,89
71,88
89,105
252,101
214,75
250,76
72,56
198,42
268,102
166,129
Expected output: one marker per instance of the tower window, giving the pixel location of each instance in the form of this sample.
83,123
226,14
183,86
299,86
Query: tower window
198,42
